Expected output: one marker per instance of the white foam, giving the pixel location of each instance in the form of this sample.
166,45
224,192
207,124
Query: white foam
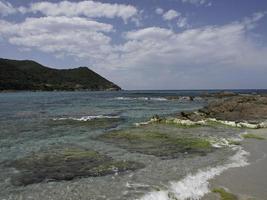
187,122
194,187
239,124
142,98
87,118
142,123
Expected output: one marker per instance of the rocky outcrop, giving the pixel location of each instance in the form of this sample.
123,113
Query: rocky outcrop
66,164
249,111
222,94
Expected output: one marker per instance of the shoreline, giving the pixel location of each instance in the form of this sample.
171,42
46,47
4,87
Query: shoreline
248,182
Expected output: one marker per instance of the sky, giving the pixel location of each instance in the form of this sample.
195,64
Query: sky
144,44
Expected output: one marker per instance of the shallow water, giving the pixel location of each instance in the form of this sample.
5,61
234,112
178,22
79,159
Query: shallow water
31,122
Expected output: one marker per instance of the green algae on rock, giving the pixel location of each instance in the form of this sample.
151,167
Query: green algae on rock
66,164
252,136
164,145
224,194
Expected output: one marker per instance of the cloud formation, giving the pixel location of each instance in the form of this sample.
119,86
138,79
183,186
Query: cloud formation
6,8
182,22
73,36
90,9
152,55
170,14
198,2
159,11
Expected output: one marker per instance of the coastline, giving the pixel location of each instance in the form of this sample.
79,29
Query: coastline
248,182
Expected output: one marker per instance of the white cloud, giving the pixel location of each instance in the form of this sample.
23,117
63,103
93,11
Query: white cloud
202,57
91,9
170,14
159,11
6,8
182,22
74,36
151,33
198,2
152,55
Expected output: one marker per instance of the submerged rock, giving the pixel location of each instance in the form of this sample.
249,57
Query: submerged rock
164,145
66,164
92,122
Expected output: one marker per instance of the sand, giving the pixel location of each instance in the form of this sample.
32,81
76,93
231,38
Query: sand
250,182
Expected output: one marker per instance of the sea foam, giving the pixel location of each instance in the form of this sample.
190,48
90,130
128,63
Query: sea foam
87,118
195,186
142,98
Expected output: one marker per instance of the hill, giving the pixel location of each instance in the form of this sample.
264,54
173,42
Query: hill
30,75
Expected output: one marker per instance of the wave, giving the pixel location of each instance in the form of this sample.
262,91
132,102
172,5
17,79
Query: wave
207,122
142,98
87,118
195,186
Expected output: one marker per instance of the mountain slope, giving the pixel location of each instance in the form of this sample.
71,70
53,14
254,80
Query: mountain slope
30,75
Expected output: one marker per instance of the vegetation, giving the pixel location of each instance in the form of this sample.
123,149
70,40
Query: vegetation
159,144
30,75
252,136
224,195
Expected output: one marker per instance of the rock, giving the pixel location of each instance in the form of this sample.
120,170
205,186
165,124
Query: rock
193,116
238,108
163,145
222,94
184,98
248,111
155,118
173,97
66,164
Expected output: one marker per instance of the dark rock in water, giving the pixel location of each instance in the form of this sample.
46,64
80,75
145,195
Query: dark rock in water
193,116
239,108
187,98
166,146
173,97
66,164
222,94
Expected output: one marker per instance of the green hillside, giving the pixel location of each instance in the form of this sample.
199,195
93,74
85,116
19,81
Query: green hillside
30,75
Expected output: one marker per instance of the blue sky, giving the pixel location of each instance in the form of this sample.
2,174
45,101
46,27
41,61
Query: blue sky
144,44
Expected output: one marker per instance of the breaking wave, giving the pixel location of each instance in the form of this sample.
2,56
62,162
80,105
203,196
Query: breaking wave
195,186
87,118
142,98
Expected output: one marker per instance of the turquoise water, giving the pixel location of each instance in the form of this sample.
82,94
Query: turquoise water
32,121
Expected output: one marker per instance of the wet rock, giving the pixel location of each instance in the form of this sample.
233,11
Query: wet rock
173,97
184,98
192,116
66,164
249,111
239,108
156,118
222,94
164,145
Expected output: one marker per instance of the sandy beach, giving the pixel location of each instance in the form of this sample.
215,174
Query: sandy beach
249,182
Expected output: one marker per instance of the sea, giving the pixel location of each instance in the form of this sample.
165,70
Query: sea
33,121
